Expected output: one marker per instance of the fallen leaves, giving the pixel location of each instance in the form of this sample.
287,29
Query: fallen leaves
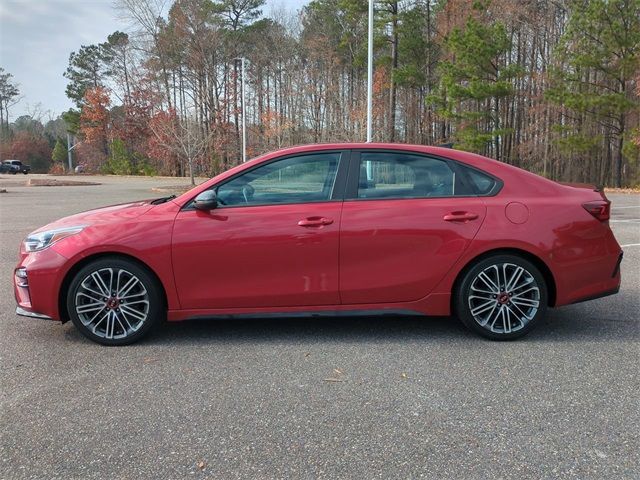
337,376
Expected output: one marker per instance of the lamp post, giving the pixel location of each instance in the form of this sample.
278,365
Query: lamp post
69,148
370,75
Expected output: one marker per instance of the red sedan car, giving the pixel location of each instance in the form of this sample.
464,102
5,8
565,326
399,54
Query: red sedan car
325,229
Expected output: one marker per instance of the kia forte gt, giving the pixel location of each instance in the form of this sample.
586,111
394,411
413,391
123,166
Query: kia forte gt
329,229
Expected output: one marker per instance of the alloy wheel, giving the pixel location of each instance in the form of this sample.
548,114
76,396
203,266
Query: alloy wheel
112,303
503,298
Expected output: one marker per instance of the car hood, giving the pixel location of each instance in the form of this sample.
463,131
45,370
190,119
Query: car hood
111,214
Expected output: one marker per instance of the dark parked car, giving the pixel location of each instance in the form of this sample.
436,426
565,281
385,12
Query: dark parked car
14,166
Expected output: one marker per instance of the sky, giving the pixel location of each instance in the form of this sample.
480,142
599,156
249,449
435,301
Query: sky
37,36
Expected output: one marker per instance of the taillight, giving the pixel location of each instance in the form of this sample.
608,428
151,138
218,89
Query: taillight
599,209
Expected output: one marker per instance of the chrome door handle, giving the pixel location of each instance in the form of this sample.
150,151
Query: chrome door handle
315,222
460,216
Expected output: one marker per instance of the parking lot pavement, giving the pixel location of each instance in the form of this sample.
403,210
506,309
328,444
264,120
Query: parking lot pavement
413,398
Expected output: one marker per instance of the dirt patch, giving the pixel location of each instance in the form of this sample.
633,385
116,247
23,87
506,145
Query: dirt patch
177,189
622,190
9,183
46,182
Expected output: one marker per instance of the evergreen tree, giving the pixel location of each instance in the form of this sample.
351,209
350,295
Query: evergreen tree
418,57
239,13
59,153
72,120
88,68
599,55
119,160
473,82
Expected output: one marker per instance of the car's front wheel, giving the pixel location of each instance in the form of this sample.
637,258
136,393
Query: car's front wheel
501,297
114,301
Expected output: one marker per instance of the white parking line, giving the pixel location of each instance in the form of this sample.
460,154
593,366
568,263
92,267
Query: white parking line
628,206
629,220
631,245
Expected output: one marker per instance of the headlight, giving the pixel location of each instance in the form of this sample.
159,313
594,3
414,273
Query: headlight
41,240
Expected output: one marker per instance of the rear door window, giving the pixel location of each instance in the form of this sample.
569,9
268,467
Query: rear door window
404,175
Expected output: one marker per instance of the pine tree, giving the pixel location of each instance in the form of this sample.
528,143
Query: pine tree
599,55
59,153
88,68
473,82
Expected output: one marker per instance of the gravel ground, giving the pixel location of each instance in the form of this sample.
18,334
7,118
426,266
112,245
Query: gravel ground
411,397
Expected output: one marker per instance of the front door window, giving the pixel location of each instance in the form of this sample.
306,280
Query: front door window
300,179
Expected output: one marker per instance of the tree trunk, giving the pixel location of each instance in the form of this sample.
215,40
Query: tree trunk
394,67
619,156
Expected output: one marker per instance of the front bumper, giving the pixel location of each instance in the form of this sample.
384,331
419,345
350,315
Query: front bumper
36,284
27,313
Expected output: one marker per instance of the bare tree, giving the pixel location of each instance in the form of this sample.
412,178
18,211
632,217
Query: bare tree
306,79
182,137
9,96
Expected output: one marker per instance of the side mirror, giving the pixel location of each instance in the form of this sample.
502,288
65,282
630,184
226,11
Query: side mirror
206,201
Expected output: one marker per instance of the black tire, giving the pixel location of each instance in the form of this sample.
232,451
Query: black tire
120,320
508,318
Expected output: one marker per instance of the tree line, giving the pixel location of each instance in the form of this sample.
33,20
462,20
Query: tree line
547,85
28,137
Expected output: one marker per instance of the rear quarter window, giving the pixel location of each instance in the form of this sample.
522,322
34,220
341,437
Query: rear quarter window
481,183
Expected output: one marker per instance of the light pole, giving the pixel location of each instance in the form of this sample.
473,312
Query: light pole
370,74
69,148
244,111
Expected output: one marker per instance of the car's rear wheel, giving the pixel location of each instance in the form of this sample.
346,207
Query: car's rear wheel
501,297
114,301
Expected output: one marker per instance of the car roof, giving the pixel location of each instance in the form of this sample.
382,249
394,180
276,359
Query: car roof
503,171
472,159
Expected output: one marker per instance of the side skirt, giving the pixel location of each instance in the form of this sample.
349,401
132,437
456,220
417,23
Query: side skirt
310,314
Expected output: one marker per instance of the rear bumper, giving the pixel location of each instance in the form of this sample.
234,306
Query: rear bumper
598,295
616,270
596,279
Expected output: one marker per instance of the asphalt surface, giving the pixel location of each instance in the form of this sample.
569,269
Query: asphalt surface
411,397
